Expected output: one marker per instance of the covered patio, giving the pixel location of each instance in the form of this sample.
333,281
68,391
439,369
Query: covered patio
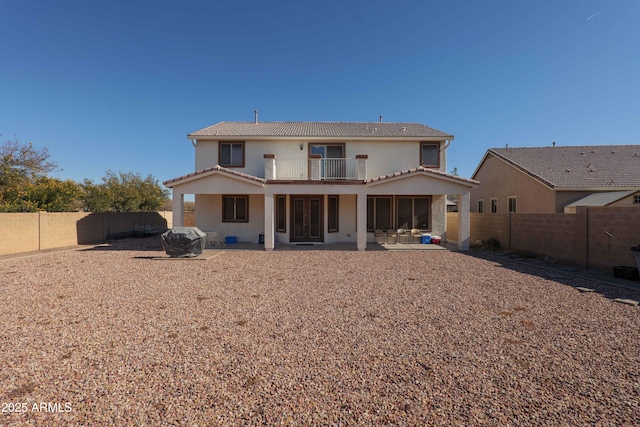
268,208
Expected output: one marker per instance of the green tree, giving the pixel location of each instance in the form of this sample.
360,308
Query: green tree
53,195
21,166
124,192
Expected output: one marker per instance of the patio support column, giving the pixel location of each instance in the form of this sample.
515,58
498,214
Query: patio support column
361,219
464,220
178,208
269,224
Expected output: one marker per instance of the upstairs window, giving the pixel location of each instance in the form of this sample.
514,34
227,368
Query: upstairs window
636,198
430,155
512,204
494,205
480,206
231,154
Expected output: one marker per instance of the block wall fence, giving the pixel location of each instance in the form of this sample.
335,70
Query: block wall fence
597,238
26,232
593,238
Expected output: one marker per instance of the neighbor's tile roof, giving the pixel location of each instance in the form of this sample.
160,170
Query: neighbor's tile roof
320,129
592,166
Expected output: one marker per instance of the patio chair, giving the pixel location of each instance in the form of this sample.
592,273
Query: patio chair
380,236
215,239
402,234
415,235
391,236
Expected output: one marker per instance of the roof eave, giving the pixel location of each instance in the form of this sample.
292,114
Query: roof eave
425,172
316,138
213,171
607,189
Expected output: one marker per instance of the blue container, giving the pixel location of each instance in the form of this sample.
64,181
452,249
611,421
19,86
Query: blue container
230,240
425,239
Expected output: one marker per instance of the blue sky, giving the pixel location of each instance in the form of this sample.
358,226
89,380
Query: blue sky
118,84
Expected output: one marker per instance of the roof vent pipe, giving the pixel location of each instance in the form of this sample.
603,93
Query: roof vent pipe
380,119
554,143
255,112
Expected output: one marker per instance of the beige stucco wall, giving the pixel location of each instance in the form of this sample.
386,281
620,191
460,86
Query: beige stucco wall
385,157
439,216
209,217
501,180
346,220
626,202
208,190
217,183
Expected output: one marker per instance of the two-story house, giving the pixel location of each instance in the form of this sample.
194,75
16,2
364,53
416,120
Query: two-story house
320,182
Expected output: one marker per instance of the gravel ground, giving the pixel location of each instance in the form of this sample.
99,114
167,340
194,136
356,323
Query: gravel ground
111,336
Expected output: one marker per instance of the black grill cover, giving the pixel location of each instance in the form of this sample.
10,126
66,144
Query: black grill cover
184,242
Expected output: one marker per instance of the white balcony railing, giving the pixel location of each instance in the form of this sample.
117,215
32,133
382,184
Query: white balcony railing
292,169
317,169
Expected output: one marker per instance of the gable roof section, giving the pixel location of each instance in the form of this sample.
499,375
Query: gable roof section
208,171
320,129
601,199
576,167
426,171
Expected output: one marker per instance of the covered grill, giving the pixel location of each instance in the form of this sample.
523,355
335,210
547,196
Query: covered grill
184,242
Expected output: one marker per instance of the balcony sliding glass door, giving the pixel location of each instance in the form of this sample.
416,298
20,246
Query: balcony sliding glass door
332,164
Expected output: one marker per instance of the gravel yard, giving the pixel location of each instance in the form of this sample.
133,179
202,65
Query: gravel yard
112,336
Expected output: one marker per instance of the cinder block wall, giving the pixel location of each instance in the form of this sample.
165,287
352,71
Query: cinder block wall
190,219
25,232
59,229
623,223
19,232
490,226
452,226
579,239
550,234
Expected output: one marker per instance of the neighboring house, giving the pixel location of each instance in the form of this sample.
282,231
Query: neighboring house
550,179
612,198
320,182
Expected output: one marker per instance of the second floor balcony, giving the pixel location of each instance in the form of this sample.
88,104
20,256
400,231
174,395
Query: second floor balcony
316,168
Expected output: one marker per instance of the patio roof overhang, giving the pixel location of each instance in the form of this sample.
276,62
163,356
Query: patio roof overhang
434,175
215,170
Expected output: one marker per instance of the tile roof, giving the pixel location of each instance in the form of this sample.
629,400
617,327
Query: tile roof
601,199
320,129
590,166
435,172
169,183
